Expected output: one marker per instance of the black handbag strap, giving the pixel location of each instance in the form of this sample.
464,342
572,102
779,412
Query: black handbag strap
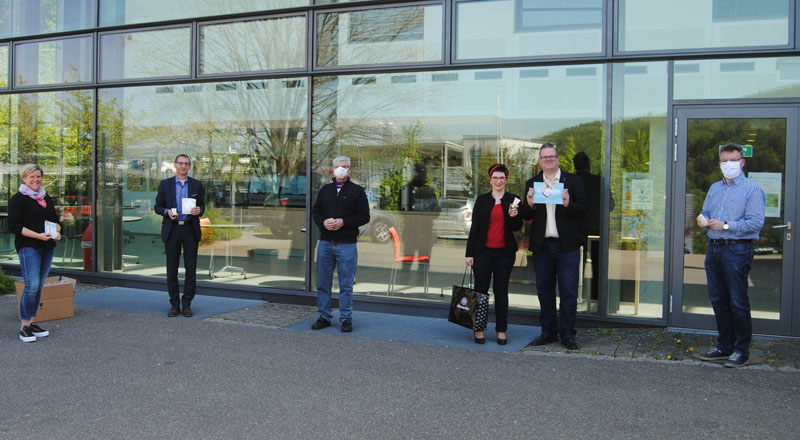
464,277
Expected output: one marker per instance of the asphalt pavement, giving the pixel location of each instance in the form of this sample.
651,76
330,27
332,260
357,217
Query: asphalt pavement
114,374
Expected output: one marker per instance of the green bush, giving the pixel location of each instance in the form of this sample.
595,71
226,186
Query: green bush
6,284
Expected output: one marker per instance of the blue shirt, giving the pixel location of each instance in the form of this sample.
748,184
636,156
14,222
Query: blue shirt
741,203
181,192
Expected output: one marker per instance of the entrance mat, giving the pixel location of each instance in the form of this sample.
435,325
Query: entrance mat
422,330
157,303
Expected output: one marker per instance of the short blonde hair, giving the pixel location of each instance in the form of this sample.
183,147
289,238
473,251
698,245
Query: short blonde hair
28,168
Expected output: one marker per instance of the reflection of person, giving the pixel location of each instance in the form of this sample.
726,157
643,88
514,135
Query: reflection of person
341,207
556,238
180,230
592,218
418,196
733,212
28,210
491,246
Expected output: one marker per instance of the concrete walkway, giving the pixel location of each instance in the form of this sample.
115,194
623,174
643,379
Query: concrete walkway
241,374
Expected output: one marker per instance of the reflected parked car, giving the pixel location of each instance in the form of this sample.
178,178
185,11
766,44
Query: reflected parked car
455,217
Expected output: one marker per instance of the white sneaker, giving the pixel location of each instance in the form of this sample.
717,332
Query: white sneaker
26,334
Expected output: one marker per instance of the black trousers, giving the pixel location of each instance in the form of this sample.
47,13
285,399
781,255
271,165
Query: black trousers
181,238
495,265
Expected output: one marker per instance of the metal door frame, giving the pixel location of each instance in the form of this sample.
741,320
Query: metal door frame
789,324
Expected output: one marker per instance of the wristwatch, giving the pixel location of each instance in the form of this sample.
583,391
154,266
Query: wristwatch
725,226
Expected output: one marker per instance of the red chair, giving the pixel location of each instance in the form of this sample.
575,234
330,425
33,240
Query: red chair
423,260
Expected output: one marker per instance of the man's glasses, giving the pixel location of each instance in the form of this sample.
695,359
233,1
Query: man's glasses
548,158
183,163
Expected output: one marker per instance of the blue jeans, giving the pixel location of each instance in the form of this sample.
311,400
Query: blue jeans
35,265
344,258
727,268
553,264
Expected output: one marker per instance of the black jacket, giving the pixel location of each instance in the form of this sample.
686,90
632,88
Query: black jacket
165,200
350,205
568,220
481,213
24,212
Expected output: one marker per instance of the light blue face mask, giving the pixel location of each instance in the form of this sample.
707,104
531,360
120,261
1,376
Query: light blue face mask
731,169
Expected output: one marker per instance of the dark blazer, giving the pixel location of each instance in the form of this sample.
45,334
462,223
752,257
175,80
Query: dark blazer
165,199
481,213
568,220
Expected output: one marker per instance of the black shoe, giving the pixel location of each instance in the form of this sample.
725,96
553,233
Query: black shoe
569,343
174,311
320,324
38,331
347,326
714,355
544,340
187,311
26,334
478,340
736,360
502,341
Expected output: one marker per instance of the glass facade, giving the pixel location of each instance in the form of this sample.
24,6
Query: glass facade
158,53
687,24
540,28
423,96
52,62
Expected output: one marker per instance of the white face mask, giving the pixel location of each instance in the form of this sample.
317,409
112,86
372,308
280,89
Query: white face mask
340,172
731,169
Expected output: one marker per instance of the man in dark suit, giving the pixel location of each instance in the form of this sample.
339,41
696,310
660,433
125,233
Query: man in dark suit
180,230
556,238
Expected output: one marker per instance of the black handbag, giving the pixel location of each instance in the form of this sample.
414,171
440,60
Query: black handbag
468,307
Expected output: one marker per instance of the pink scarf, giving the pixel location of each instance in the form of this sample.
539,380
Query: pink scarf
35,195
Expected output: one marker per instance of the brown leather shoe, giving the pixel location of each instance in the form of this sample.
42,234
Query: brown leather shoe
174,311
187,311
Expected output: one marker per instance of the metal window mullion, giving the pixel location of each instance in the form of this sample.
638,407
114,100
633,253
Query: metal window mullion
602,292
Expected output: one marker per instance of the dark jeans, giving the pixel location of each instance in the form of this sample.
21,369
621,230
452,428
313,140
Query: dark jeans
727,268
495,265
181,237
553,264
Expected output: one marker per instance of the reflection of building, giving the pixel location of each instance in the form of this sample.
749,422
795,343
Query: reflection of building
103,95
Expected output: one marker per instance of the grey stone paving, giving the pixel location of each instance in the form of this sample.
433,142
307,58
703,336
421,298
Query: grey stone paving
627,344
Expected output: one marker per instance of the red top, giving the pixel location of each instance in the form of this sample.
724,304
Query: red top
496,238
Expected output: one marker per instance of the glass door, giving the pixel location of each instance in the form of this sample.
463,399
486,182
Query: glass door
769,139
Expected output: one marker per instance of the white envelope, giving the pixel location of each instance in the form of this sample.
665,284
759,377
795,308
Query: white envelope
187,205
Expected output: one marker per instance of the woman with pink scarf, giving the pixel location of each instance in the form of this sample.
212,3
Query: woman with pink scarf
28,211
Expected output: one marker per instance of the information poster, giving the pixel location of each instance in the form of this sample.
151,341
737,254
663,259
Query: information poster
771,183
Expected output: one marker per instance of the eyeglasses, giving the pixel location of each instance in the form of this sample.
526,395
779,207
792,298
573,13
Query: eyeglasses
548,157
183,163
498,177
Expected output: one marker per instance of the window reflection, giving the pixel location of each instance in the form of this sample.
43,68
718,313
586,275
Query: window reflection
117,12
737,78
53,62
253,46
32,17
638,190
52,130
145,54
380,36
248,148
3,66
421,148
688,24
517,28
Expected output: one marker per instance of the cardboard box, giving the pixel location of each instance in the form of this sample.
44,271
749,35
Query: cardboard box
57,301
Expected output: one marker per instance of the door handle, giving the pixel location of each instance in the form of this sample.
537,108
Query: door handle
788,226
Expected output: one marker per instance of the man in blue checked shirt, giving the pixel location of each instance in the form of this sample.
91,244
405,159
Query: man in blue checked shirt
733,214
